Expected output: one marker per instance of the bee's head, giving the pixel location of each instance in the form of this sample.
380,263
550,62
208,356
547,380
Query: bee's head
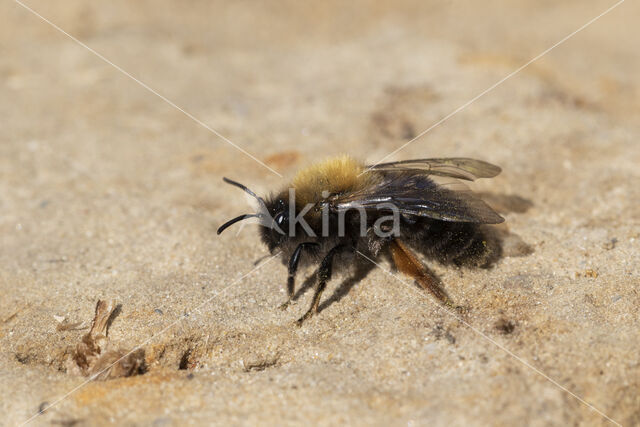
273,215
274,233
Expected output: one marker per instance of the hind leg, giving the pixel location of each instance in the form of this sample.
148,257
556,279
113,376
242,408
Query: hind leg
406,262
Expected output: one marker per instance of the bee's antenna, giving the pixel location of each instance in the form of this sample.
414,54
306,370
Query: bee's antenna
237,184
236,219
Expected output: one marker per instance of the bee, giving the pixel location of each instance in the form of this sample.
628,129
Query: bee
340,208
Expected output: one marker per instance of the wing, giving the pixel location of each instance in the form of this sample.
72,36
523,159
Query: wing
455,167
417,195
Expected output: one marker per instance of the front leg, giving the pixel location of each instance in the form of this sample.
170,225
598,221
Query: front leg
324,274
293,267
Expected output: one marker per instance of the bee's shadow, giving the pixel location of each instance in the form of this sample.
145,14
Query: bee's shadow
507,243
506,203
307,284
361,271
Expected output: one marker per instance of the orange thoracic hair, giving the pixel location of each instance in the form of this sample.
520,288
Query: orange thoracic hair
334,175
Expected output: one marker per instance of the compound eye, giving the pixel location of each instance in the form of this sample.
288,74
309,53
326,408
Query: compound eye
280,220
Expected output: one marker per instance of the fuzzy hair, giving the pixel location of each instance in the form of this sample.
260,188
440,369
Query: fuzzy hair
335,175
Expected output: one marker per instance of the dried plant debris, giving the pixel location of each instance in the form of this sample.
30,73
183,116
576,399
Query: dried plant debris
94,356
260,364
65,325
610,244
505,326
587,273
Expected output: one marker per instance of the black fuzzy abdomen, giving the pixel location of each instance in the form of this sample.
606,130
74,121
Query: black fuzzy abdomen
458,243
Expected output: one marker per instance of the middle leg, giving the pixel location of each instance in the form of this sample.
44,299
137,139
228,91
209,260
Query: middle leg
324,274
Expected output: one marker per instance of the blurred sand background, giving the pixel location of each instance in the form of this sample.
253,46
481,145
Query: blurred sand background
108,192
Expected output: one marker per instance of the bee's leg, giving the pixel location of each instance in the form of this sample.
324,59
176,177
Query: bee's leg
406,262
324,274
293,267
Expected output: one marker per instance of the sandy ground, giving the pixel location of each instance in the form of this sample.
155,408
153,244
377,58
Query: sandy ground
108,192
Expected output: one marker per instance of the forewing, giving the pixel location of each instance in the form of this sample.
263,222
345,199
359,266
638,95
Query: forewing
455,167
415,194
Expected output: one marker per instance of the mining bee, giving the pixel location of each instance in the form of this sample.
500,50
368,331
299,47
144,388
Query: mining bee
340,208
